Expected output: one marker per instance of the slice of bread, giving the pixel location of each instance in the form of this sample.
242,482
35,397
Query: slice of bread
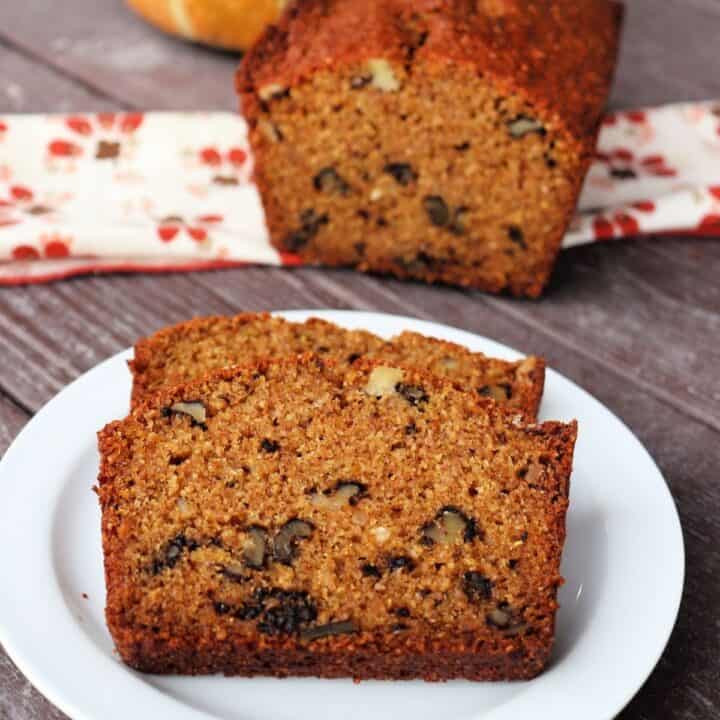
299,517
192,349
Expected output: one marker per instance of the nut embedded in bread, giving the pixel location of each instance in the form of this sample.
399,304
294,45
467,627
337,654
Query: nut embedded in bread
190,350
311,525
441,140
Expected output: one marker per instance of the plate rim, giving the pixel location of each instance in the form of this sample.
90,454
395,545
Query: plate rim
12,640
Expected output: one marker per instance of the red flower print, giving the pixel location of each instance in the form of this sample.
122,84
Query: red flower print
290,259
627,224
106,120
715,191
131,122
636,116
210,156
623,154
56,249
226,164
63,149
651,160
198,234
169,228
167,233
710,225
18,192
646,206
198,229
56,246
624,165
22,201
103,135
237,156
610,119
655,165
25,252
79,125
622,224
603,228
210,219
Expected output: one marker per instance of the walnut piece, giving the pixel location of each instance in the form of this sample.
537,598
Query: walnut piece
499,393
328,180
381,534
383,381
255,550
271,91
286,540
193,408
450,526
382,75
523,125
270,131
344,494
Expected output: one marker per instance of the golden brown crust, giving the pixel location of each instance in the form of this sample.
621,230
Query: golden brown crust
189,350
452,77
180,600
558,54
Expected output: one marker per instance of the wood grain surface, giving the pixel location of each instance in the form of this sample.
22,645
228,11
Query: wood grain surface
636,323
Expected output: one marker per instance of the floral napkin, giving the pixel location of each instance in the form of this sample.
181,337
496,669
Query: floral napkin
173,191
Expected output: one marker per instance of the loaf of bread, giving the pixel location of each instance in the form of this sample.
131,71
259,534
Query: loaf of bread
297,518
192,349
228,24
442,140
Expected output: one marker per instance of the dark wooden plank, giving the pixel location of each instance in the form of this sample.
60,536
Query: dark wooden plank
26,86
105,46
12,419
55,332
649,317
19,700
687,680
668,52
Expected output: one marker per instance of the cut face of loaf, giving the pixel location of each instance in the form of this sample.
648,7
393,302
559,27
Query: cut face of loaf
293,519
444,141
190,350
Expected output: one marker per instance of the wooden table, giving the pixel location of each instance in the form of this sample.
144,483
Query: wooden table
636,323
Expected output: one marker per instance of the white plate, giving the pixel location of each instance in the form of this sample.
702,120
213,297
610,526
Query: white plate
624,565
